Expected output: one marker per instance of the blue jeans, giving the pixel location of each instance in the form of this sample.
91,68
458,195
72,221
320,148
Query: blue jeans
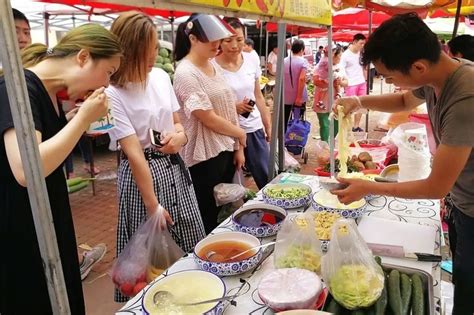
257,155
461,232
85,151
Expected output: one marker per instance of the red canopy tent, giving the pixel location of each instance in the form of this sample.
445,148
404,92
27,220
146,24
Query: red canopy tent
120,8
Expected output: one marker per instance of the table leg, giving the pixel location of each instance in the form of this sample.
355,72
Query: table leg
91,164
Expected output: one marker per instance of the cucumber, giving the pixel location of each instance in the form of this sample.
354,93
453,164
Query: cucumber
81,185
358,312
394,296
381,303
405,288
418,301
74,181
335,308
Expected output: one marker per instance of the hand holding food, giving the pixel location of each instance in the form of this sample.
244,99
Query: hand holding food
349,104
94,107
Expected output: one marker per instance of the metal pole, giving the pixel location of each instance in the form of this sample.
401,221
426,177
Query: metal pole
29,152
73,20
266,50
173,38
456,19
278,108
368,76
332,162
46,28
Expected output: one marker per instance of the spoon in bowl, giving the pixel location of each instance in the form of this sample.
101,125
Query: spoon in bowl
212,253
166,297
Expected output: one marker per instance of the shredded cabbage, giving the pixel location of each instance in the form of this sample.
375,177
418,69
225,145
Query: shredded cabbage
355,286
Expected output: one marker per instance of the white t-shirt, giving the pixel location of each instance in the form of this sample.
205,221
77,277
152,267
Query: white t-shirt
255,56
350,62
242,83
136,110
272,58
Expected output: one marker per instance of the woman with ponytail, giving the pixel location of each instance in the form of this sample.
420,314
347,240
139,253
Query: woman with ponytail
82,62
216,142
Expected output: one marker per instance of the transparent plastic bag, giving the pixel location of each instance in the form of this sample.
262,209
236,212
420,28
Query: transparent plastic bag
291,164
322,153
298,245
149,252
225,193
354,278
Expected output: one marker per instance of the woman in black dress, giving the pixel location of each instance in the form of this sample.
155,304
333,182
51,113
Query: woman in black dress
81,62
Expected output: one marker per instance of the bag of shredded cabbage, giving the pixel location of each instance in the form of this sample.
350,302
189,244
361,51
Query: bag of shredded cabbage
352,275
298,245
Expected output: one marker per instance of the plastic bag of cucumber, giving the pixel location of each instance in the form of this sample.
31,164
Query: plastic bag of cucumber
359,286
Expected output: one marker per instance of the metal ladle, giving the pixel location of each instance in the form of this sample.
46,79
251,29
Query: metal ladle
164,297
212,253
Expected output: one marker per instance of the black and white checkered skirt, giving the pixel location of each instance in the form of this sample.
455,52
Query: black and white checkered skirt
174,193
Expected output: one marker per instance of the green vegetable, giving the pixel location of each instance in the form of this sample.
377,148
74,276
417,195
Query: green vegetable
159,59
74,181
378,260
335,308
77,187
405,289
168,67
286,192
356,286
358,312
394,296
299,256
418,301
166,60
381,303
164,53
159,65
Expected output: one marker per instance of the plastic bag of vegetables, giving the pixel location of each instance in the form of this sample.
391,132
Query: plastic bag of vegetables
354,278
297,245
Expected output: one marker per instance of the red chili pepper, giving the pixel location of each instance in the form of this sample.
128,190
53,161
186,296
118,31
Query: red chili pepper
262,6
239,2
226,2
270,1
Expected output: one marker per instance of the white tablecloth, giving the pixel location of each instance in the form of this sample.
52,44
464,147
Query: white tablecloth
424,212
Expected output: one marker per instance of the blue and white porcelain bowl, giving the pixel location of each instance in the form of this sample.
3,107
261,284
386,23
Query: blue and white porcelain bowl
186,286
325,201
227,268
260,220
287,196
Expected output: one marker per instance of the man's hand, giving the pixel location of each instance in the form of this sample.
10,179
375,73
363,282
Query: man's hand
351,104
356,190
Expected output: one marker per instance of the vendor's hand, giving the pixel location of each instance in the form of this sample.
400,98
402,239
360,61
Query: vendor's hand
351,104
172,142
243,107
239,159
356,190
94,107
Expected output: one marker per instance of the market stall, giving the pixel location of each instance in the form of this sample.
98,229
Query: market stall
416,224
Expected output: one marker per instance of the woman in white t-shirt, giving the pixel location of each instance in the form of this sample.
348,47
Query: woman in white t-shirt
243,74
142,97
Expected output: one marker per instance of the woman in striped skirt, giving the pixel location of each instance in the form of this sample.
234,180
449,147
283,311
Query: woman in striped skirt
143,98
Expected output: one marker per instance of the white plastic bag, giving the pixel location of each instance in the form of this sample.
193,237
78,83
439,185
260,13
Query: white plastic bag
149,252
225,193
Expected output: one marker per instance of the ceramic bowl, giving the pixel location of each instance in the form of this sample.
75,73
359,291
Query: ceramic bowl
180,284
355,212
287,202
228,268
261,230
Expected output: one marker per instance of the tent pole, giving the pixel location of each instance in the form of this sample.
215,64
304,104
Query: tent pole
30,157
278,108
368,76
266,50
456,19
332,162
46,28
173,38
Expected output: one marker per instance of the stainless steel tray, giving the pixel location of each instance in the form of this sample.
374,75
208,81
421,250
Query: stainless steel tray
427,285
